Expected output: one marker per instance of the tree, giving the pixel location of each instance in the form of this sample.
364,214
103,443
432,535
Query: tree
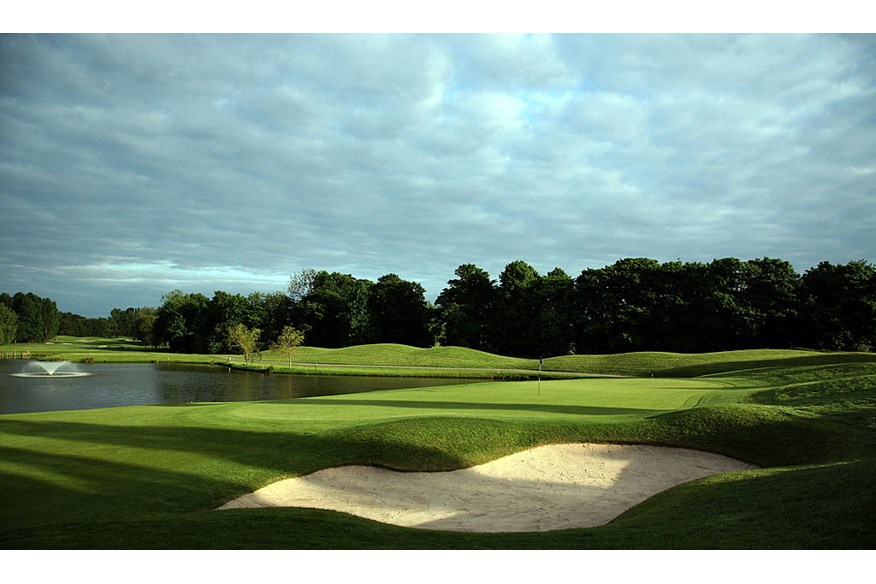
772,295
398,312
123,322
301,284
8,325
182,322
290,338
225,311
617,306
144,325
38,318
275,312
334,313
518,304
554,322
838,306
467,309
79,326
244,338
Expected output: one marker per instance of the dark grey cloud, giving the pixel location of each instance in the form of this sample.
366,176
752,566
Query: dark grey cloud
134,164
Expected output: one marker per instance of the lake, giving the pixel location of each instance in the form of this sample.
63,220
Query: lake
132,384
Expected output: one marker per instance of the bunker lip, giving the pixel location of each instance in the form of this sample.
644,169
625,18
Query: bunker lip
558,486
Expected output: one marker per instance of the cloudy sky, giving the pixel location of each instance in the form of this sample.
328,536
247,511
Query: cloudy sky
131,165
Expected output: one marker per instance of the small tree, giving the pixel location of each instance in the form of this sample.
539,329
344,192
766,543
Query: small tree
246,339
288,340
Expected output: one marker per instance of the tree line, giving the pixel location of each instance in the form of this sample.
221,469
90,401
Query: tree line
635,304
28,318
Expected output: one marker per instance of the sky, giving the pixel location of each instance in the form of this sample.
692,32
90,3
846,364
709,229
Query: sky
135,164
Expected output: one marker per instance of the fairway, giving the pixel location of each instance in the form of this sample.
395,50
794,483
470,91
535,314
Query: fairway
152,476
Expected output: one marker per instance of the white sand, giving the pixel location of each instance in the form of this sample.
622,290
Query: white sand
550,487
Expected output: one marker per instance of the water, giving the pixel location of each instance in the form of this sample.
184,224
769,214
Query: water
102,385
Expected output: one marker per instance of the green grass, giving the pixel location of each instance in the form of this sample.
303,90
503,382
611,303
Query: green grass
149,477
691,365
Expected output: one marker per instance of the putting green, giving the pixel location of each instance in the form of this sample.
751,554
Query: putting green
597,400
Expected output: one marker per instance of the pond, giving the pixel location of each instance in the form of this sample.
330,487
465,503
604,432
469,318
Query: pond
130,384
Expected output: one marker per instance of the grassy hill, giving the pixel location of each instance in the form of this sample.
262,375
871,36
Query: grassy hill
149,477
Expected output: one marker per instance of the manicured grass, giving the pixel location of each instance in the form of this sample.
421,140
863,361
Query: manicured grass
404,355
101,350
149,477
691,365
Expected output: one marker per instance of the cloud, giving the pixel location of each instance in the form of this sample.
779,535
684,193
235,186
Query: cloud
132,164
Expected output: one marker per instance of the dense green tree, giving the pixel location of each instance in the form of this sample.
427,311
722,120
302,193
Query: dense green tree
635,304
617,305
273,312
334,310
724,318
123,322
398,312
838,307
144,325
517,307
772,296
554,323
38,318
8,324
80,326
639,304
225,311
182,322
467,309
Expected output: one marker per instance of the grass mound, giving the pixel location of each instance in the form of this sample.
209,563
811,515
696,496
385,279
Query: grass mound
388,354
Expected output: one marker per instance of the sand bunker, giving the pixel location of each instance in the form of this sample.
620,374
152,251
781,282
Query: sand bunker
549,487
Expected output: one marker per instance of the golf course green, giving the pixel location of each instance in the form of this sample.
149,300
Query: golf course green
152,476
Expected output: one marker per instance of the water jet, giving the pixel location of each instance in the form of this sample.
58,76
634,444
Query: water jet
51,369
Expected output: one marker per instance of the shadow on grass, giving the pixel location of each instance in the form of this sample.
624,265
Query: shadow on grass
62,472
731,367
488,406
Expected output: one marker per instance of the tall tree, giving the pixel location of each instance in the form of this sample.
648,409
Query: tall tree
467,307
617,305
518,304
144,325
224,312
182,322
123,321
334,313
38,318
274,312
772,296
8,324
301,284
398,312
838,306
554,321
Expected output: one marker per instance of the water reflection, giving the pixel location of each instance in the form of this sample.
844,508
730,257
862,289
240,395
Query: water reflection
110,385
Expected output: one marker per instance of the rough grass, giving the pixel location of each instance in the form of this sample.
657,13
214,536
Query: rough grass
148,477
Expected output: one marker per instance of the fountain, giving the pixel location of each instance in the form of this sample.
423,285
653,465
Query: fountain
46,369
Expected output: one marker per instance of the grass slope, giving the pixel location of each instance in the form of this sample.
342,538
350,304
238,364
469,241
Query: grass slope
149,477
